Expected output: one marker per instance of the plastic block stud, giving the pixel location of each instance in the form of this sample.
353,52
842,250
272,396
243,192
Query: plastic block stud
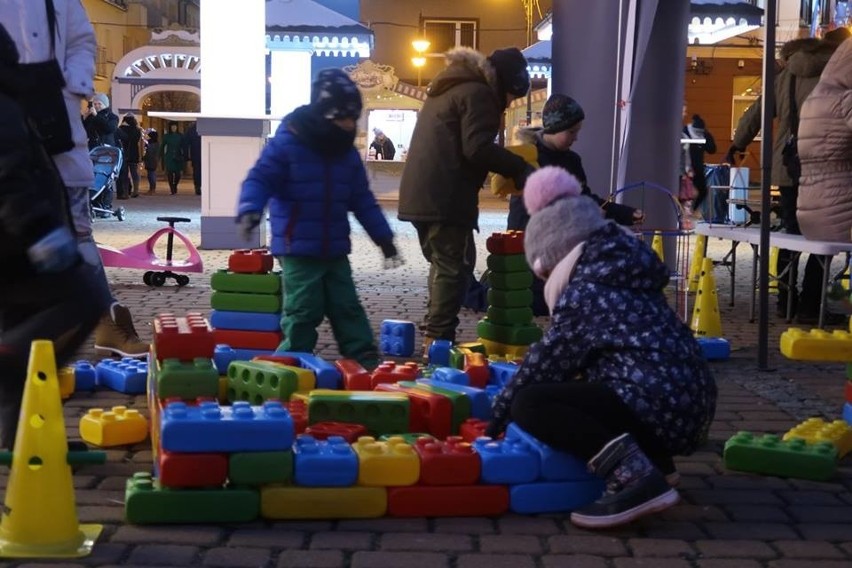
128,375
509,242
250,261
183,338
324,463
814,430
451,462
116,427
386,464
769,455
817,345
396,338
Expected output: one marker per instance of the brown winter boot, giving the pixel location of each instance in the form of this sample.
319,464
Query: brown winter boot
115,334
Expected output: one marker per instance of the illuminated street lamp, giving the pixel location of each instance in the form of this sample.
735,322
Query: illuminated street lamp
420,46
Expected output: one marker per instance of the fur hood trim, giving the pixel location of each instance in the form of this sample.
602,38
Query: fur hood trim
474,66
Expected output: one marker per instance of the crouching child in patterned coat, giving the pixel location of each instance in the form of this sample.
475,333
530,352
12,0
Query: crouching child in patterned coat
618,380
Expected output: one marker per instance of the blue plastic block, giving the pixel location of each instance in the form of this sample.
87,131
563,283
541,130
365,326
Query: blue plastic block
847,413
451,375
328,376
506,461
480,405
555,465
553,496
501,373
396,338
224,355
245,321
128,375
241,427
85,376
715,348
324,463
439,352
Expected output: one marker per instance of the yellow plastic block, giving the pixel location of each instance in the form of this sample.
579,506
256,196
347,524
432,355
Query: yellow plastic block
303,396
66,382
117,427
817,345
306,380
502,186
279,502
508,351
386,464
814,430
223,389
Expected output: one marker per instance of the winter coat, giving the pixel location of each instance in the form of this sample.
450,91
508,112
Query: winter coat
102,128
192,146
152,156
131,141
452,146
171,151
693,154
806,65
75,47
825,149
384,147
613,325
310,195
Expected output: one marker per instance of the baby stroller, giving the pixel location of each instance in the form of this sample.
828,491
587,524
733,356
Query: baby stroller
106,161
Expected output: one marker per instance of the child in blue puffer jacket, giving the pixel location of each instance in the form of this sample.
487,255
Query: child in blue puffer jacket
312,176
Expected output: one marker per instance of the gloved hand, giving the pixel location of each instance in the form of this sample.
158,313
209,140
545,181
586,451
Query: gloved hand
247,223
521,179
54,252
730,157
392,258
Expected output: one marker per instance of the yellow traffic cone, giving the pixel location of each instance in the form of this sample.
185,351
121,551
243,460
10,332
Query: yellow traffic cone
773,269
697,260
39,512
657,245
705,315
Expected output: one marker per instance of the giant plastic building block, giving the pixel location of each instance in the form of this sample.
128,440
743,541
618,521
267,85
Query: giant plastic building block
117,427
245,321
266,340
505,349
509,242
298,410
521,280
814,430
817,345
476,369
85,376
386,464
555,465
187,380
328,377
847,412
396,338
306,380
65,375
380,412
256,381
209,427
182,470
450,375
501,373
146,502
390,372
429,412
509,298
714,348
461,403
508,334
260,468
183,338
250,261
553,496
409,438
507,461
472,429
769,455
507,262
439,352
280,359
347,431
509,316
847,391
282,503
355,377
224,281
480,406
224,355
448,501
324,463
240,302
449,462
128,375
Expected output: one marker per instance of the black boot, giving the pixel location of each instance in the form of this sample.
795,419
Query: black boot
634,487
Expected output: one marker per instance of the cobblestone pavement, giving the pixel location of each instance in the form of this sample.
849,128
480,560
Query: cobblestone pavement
725,520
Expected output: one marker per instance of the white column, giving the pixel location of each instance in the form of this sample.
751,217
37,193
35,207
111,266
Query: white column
290,80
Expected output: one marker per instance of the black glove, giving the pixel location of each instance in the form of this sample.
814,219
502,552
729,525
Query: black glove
392,258
623,214
521,179
247,223
730,157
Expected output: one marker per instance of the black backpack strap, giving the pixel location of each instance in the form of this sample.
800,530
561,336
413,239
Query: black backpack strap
51,24
794,112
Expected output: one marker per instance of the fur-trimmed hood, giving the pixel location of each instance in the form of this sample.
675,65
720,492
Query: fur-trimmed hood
810,60
464,64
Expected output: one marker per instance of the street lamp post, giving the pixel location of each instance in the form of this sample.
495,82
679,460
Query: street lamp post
420,46
530,6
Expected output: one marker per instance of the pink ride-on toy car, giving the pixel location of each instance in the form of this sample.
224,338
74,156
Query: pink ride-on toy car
142,256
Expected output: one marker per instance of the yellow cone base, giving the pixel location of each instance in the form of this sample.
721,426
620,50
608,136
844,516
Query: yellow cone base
83,547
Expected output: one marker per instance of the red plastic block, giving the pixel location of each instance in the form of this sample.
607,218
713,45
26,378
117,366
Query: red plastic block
355,377
848,391
448,501
346,430
250,261
183,338
509,242
249,339
390,372
452,462
472,428
428,411
192,470
476,368
280,359
299,413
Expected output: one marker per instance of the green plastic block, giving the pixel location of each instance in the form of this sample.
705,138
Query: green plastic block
456,358
508,334
224,281
187,380
260,468
520,280
257,382
380,414
507,262
145,502
409,437
509,298
460,402
509,316
770,455
238,302
849,371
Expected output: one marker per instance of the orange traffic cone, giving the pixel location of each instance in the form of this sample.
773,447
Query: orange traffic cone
705,315
39,512
697,261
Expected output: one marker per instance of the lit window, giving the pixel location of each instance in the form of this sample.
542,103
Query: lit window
447,34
